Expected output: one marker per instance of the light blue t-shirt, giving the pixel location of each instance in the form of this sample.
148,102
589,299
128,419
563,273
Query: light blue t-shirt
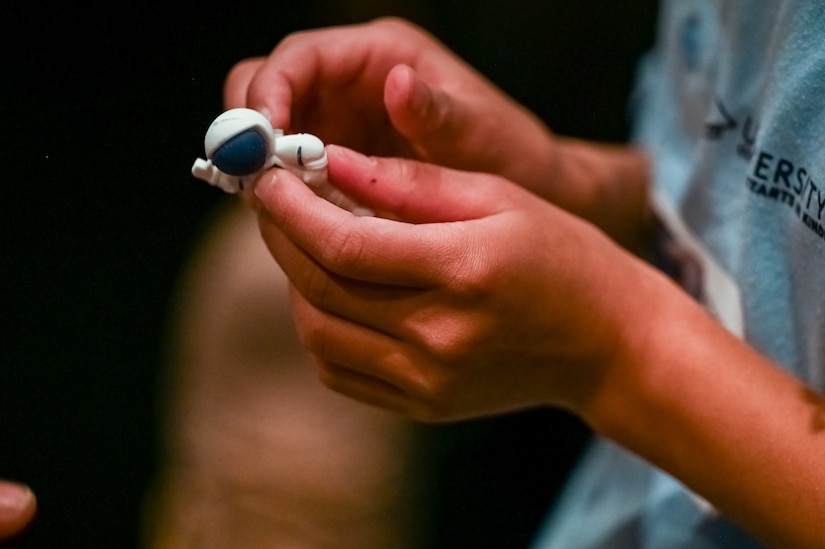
731,106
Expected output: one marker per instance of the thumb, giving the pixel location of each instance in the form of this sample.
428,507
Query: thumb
419,111
413,191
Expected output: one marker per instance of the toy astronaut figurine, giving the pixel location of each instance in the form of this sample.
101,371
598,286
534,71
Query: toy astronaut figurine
241,143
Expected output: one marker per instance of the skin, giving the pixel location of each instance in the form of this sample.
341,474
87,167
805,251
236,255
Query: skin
389,89
17,509
493,282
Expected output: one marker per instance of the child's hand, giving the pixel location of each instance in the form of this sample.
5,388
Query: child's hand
391,89
480,298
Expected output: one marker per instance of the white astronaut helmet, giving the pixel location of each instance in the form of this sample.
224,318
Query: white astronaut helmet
240,142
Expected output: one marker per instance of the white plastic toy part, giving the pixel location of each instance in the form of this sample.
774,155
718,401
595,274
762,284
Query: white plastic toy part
241,143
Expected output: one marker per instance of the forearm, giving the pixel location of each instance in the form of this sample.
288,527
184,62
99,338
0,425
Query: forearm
607,185
702,405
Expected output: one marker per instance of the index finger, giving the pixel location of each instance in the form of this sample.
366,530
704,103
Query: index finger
367,249
237,81
308,61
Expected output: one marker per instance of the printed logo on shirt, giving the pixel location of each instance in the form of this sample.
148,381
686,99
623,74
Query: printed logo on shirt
771,175
789,183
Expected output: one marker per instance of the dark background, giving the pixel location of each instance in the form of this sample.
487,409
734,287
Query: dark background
103,112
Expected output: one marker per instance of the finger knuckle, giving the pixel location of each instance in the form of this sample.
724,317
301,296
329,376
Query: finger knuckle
451,333
451,347
318,288
393,23
240,70
295,38
344,250
328,376
475,278
310,336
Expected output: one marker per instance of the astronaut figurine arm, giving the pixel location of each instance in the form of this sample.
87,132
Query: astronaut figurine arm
241,143
207,171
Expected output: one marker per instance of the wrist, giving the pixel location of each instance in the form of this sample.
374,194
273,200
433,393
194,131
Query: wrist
674,374
690,398
650,324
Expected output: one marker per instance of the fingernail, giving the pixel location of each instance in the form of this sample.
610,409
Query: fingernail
266,112
266,186
14,498
279,119
420,95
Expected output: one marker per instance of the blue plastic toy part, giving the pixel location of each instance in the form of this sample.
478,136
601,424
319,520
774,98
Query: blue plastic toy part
243,154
